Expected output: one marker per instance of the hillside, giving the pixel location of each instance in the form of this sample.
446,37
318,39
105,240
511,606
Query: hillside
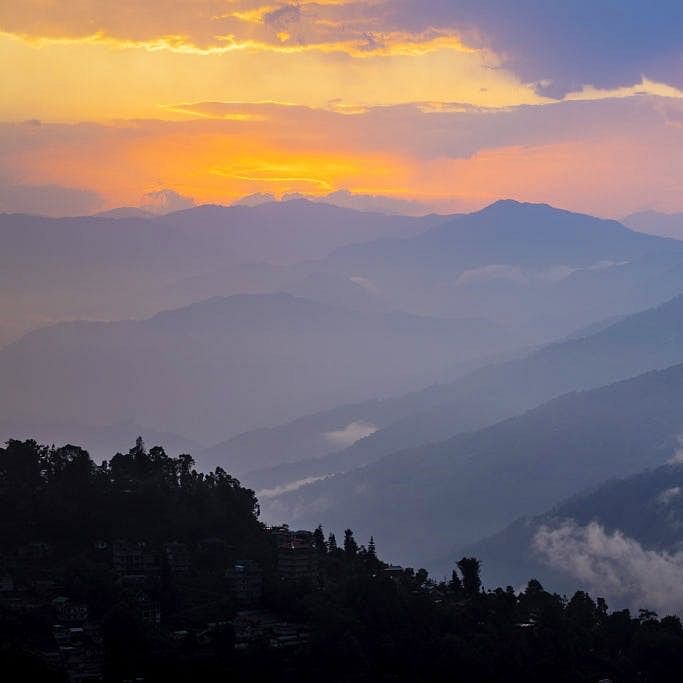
125,265
547,270
649,340
145,567
478,481
646,509
656,223
212,369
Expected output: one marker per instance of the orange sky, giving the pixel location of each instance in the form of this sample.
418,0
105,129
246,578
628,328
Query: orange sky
310,98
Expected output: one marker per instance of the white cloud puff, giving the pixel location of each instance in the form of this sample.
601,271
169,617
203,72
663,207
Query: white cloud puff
354,431
614,565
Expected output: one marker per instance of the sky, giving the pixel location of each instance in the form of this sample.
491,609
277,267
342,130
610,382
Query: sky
436,105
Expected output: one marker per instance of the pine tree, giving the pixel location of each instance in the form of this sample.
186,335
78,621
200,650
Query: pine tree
455,582
350,545
471,580
372,551
332,543
319,539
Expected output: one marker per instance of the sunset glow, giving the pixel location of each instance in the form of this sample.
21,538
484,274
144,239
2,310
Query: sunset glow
217,99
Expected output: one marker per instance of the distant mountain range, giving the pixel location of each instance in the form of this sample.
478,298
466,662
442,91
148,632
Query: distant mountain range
656,223
470,486
649,340
124,212
209,370
540,270
545,270
127,263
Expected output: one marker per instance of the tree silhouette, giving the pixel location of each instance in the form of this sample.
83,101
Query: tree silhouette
350,545
372,551
319,539
470,568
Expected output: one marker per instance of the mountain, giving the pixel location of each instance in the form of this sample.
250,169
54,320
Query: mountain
307,447
225,365
120,265
124,212
545,270
539,270
625,525
656,223
424,501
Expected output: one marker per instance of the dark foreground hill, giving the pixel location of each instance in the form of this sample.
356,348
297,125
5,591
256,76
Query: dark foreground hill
144,569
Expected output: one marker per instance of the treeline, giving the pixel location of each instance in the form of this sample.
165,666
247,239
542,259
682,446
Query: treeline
62,497
368,621
372,622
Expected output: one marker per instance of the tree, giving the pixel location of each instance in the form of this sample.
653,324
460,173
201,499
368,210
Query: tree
350,545
372,551
319,539
455,584
332,543
470,567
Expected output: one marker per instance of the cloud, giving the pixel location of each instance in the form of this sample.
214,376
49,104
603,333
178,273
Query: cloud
518,275
458,130
376,203
491,273
347,436
373,203
365,283
673,113
166,201
463,157
558,47
562,46
264,494
283,17
205,27
677,458
255,199
668,495
48,200
614,565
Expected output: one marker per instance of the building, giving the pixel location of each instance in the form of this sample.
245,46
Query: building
133,559
258,625
177,557
6,583
37,551
148,609
69,611
246,581
79,653
394,571
297,556
280,534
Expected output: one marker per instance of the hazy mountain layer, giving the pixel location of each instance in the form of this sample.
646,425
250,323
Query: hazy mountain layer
424,501
655,223
219,367
628,528
125,264
543,269
645,341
